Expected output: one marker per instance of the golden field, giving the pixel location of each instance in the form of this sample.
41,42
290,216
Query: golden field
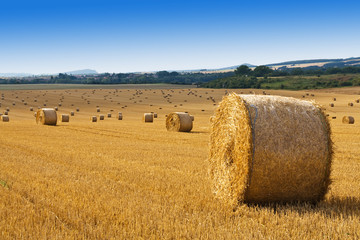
128,179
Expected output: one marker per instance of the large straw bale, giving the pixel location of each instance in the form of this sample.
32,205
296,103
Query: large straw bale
46,116
65,117
269,149
5,118
179,122
348,120
148,117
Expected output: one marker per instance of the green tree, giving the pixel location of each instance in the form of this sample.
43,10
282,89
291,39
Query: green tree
242,70
261,71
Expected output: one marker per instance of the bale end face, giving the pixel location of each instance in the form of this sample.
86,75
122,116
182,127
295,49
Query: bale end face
148,117
65,118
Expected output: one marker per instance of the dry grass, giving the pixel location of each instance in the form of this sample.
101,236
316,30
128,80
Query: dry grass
124,179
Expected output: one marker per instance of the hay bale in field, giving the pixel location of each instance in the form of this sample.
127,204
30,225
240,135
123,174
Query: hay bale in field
334,117
31,109
348,120
120,117
101,117
179,122
148,117
5,118
72,113
109,115
59,104
46,116
334,99
350,104
192,117
78,109
93,119
357,100
269,149
331,105
155,115
65,117
6,113
98,110
8,109
56,108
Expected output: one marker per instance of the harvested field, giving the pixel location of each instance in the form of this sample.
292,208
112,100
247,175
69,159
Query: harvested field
125,179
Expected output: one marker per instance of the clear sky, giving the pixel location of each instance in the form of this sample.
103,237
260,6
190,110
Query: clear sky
55,36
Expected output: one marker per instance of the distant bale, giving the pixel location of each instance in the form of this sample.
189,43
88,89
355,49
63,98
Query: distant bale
60,104
155,115
101,117
77,109
350,104
31,109
65,117
109,115
6,113
331,105
357,100
98,110
93,119
120,116
334,117
56,108
72,113
148,117
5,118
8,109
46,116
334,99
348,120
179,122
269,149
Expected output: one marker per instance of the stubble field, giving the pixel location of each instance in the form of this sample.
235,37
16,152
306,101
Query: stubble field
128,179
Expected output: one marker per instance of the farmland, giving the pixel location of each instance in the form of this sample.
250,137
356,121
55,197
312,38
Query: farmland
128,179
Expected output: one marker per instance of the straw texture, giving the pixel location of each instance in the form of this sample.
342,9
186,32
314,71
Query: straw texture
179,122
269,149
46,116
348,120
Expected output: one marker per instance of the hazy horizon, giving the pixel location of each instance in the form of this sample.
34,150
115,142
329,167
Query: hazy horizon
41,37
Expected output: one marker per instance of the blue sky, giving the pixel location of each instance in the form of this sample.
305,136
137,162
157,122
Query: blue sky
149,35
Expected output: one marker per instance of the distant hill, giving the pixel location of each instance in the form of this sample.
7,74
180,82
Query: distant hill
15,75
82,72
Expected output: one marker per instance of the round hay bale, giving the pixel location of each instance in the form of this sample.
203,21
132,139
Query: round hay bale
59,104
269,149
46,116
109,115
334,117
192,117
348,120
148,117
6,113
98,110
101,117
155,115
72,113
331,105
8,109
77,109
65,117
351,104
5,118
334,98
93,119
357,100
120,117
31,109
179,122
56,108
